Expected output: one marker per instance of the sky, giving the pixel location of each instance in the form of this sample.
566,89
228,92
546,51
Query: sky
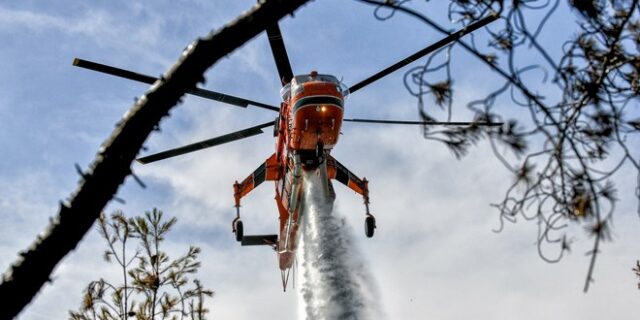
435,253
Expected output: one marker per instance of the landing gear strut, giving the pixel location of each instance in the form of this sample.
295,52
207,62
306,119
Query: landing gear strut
236,224
369,220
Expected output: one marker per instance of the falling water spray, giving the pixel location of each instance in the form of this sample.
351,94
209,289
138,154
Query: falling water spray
334,280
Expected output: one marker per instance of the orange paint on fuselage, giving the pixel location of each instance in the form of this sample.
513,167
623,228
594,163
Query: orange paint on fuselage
311,116
306,130
315,115
312,125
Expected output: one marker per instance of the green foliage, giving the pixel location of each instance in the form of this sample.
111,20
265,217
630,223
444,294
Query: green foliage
154,286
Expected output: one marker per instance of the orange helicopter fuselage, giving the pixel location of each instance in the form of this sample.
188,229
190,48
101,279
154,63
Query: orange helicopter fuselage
314,116
308,128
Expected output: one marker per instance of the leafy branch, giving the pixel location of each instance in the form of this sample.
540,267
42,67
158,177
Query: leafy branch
161,285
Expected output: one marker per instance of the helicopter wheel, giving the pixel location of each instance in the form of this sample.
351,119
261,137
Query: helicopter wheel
369,225
239,230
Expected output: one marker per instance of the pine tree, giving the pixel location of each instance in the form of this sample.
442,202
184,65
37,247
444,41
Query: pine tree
153,285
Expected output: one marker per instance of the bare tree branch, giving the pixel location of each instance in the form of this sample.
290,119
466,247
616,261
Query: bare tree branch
113,161
574,137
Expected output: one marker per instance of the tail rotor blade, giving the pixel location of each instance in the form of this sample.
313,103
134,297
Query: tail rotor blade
207,94
431,48
234,136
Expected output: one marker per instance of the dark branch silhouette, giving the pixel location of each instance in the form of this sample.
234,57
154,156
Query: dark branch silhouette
567,144
113,162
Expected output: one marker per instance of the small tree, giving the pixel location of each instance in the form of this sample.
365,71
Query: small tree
155,287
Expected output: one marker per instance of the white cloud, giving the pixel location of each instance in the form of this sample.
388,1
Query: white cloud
434,254
101,28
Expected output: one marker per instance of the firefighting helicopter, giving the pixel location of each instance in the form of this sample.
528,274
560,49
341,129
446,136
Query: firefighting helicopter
307,128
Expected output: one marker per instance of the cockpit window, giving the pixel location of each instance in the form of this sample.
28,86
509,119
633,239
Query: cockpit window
295,87
317,77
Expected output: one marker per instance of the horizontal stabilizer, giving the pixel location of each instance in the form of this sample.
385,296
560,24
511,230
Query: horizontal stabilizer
266,239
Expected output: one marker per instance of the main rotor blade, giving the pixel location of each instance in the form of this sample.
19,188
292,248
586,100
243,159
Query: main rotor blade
443,42
435,123
217,96
279,52
245,133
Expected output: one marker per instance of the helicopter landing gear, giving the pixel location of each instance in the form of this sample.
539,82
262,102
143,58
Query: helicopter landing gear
369,220
238,229
236,225
369,225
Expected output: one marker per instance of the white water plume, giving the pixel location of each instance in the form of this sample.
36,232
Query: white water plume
335,282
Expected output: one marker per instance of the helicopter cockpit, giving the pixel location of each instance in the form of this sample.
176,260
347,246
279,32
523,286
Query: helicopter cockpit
296,86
